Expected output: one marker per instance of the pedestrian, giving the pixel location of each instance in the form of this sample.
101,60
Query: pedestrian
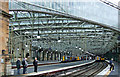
111,65
18,66
25,64
35,63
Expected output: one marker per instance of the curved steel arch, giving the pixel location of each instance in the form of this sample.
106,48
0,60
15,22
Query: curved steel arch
70,16
73,32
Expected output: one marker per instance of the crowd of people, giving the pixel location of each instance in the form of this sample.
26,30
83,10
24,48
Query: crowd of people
25,65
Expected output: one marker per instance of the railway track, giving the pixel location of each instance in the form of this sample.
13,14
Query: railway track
89,70
86,71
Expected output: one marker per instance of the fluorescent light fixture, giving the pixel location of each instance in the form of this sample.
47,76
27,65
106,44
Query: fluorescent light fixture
38,36
26,45
59,40
79,48
26,32
15,28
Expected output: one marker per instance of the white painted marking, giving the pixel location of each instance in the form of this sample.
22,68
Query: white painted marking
105,70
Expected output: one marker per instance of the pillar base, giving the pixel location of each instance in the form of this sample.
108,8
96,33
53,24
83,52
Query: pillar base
6,66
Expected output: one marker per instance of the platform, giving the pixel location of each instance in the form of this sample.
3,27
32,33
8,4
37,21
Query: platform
53,67
116,71
107,73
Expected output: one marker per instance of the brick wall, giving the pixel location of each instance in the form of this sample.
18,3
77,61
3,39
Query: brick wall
4,29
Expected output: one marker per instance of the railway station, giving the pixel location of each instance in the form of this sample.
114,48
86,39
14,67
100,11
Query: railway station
59,38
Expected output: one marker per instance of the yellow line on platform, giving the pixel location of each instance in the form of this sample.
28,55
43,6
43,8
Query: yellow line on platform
107,73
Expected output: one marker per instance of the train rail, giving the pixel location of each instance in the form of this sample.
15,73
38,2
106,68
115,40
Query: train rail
89,70
86,71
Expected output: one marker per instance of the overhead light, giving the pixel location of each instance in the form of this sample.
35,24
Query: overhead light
79,48
76,47
59,40
18,49
82,50
26,45
15,28
38,36
26,32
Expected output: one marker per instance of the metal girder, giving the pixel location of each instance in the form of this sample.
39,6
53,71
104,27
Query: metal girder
70,16
52,26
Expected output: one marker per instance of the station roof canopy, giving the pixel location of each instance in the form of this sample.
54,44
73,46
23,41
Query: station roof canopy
49,28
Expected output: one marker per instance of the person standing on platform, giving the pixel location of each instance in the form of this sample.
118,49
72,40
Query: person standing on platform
35,63
111,65
25,64
18,66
